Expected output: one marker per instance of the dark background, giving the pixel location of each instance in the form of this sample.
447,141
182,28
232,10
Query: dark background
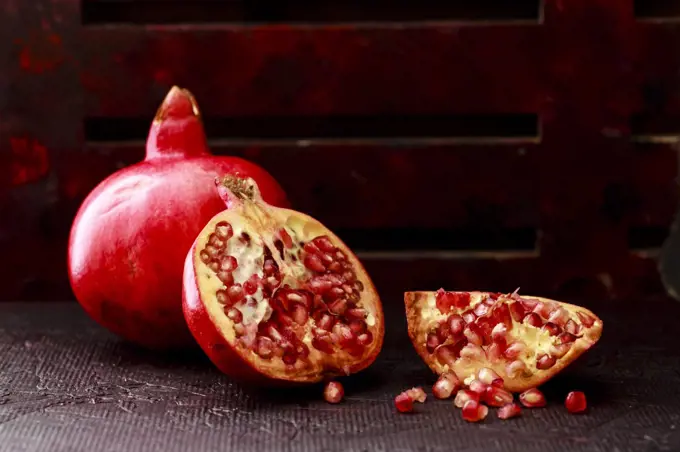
484,144
467,144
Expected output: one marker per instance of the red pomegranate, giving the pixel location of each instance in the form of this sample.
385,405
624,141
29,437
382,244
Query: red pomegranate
273,296
521,341
131,235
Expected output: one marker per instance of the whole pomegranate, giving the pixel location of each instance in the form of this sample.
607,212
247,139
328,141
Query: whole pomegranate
273,296
131,235
524,340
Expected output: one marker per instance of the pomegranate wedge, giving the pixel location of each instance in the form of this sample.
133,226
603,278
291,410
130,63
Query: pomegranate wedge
525,340
271,295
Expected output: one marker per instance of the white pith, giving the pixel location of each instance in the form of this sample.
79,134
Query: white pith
250,260
538,342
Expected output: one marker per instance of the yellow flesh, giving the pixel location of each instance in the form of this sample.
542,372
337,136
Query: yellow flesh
537,341
250,260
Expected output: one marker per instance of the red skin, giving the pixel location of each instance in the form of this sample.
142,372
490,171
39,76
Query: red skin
125,261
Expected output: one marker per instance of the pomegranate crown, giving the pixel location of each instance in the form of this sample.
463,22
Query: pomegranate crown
238,189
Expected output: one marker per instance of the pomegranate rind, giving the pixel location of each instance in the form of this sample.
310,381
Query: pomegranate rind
421,313
214,331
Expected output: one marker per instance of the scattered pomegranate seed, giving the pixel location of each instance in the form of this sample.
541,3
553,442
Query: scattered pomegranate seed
576,402
404,401
508,411
474,411
463,396
333,392
446,385
497,397
477,386
532,398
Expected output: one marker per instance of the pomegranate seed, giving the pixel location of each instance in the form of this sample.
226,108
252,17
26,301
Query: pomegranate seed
313,262
477,386
544,309
229,264
356,313
311,248
499,333
474,411
285,238
215,241
481,309
572,327
264,347
551,328
490,377
357,326
576,402
456,324
448,300
358,285
300,314
463,395
502,315
239,329
545,362
432,342
517,311
508,411
335,293
224,230
289,358
322,342
445,354
235,293
472,336
497,397
495,351
327,259
365,338
515,369
250,286
333,392
565,338
529,303
338,307
205,257
443,331
533,319
214,266
559,316
514,350
227,278
339,255
446,385
532,398
302,350
235,315
586,320
324,243
326,322
403,403
559,350
320,285
345,336
469,317
472,351
417,394
222,297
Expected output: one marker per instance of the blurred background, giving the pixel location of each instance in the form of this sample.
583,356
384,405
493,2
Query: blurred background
467,144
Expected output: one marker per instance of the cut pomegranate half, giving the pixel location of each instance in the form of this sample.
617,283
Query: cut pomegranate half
271,294
523,340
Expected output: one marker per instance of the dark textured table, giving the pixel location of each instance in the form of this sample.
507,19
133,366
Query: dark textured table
68,385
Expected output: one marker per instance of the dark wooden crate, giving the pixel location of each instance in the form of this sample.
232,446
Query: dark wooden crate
468,144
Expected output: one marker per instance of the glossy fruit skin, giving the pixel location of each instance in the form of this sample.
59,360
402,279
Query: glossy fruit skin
223,354
130,237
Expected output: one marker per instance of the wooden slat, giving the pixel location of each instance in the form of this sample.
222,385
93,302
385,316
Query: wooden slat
281,70
396,186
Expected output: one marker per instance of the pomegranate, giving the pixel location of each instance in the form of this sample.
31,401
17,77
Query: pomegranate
446,385
474,411
333,392
509,411
131,235
576,402
532,398
271,295
463,396
520,341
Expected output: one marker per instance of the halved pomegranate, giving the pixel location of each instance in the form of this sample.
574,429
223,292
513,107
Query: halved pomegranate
271,295
525,340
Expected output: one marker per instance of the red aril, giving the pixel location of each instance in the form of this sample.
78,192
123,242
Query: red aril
516,342
576,402
509,411
131,235
446,385
313,313
333,392
404,401
463,396
532,398
474,411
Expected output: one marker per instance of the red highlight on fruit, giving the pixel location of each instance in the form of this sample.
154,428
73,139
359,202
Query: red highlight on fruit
508,341
308,309
131,235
